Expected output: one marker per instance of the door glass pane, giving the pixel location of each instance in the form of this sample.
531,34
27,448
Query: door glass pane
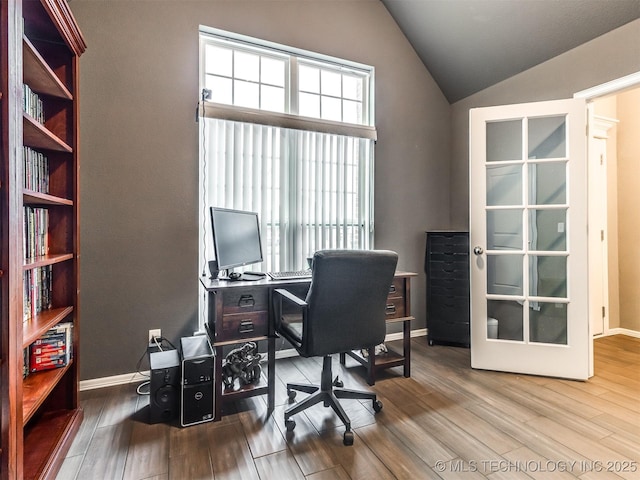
504,320
548,183
548,323
504,229
504,141
504,274
547,137
504,185
548,276
547,230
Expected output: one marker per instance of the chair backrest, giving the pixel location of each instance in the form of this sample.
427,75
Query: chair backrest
347,300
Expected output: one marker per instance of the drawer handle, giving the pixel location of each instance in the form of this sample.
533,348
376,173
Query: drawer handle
392,289
246,301
246,326
391,309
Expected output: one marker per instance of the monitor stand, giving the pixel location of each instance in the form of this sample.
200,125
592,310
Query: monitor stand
242,277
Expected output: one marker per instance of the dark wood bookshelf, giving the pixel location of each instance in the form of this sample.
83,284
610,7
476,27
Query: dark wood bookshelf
40,412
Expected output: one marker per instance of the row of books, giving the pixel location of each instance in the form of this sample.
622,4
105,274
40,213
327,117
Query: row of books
37,291
53,350
33,105
36,228
36,170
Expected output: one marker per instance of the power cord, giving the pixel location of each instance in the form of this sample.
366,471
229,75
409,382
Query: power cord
158,341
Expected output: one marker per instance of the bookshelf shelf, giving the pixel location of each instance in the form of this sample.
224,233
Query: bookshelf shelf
41,323
36,198
45,260
38,75
38,136
37,387
39,213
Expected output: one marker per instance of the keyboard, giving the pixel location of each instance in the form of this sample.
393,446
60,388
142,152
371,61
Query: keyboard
290,275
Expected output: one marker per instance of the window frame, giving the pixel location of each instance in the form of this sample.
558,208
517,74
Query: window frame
293,57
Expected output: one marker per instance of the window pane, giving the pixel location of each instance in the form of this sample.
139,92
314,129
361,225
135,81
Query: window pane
548,323
548,183
352,112
272,98
309,79
218,60
504,229
309,105
547,137
331,108
504,320
504,185
331,83
504,141
547,276
504,274
221,89
247,66
352,87
547,230
246,94
273,71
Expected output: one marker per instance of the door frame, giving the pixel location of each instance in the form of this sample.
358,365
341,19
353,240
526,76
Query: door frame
615,86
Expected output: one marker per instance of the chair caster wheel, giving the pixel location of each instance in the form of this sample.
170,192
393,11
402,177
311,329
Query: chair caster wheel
348,438
292,395
338,383
290,424
377,405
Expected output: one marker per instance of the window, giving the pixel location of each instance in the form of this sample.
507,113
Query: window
288,134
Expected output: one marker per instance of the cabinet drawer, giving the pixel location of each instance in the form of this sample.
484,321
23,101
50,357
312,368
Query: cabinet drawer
448,287
242,325
448,243
444,310
242,300
454,270
395,308
397,288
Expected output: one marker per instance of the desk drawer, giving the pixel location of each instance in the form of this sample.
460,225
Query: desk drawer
243,300
395,308
397,288
243,325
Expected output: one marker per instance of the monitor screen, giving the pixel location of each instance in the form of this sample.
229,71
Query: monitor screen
236,237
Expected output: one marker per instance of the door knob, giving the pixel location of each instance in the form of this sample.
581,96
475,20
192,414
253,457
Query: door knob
478,250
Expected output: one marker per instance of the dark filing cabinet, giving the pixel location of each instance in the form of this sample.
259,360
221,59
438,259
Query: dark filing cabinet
447,269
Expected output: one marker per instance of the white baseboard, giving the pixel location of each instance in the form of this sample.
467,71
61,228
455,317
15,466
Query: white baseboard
622,331
144,376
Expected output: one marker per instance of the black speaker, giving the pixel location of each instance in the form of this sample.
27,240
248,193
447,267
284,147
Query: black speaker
164,386
197,395
213,269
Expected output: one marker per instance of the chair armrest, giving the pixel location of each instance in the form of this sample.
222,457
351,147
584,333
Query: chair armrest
291,297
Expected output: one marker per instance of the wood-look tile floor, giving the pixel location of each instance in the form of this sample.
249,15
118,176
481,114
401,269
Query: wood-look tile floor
446,421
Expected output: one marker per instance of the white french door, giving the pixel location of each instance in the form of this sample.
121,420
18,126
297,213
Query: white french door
528,236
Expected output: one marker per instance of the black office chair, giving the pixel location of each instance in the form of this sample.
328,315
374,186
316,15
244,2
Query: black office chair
343,311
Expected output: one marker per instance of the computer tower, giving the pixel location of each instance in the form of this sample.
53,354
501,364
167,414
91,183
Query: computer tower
197,392
164,385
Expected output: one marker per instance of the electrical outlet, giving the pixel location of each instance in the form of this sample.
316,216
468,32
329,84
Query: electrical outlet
155,333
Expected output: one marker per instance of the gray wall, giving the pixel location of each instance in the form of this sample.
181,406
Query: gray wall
603,59
139,151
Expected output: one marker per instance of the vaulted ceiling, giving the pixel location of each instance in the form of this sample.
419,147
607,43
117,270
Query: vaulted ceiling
469,45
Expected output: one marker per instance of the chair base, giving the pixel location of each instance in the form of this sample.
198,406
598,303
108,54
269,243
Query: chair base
328,394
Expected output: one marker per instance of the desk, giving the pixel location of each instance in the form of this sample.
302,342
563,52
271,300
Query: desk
241,311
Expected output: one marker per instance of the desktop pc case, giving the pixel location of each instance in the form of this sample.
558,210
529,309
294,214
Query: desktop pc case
197,392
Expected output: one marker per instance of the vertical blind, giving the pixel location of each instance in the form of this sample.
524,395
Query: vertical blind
311,190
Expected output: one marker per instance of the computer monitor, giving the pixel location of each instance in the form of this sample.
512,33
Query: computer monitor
236,238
